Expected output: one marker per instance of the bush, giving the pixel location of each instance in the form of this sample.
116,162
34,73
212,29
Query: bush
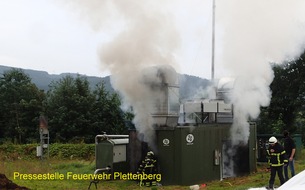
56,150
72,151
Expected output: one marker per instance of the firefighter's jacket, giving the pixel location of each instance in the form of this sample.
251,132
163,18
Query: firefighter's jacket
277,155
148,166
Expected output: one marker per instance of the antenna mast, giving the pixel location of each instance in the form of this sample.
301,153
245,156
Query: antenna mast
213,40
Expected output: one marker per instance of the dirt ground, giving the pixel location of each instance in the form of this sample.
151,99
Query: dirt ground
7,184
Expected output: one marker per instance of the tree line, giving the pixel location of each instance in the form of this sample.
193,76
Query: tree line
73,110
287,107
76,112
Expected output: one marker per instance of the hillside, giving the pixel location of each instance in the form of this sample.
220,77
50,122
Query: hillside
189,85
42,79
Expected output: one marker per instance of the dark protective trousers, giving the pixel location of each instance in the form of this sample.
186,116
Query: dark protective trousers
279,171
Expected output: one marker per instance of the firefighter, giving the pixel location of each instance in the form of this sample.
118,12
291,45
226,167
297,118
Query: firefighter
151,156
148,166
277,158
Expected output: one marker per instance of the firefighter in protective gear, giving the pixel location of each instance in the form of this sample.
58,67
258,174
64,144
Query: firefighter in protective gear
148,166
277,159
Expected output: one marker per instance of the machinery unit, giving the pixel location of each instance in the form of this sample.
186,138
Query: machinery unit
206,111
193,143
165,91
192,154
197,146
111,153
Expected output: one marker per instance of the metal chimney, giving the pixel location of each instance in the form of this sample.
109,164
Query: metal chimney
165,103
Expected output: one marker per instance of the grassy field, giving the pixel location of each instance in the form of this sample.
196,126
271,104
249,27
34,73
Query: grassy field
63,166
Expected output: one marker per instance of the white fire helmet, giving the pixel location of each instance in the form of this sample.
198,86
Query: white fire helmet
150,153
272,140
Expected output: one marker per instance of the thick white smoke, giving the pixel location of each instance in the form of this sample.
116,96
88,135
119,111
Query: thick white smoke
254,34
149,39
146,37
250,34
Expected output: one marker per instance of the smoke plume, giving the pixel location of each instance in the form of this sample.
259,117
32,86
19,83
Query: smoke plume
148,40
254,34
250,34
146,37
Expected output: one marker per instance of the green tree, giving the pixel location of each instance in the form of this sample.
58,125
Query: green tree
74,111
21,106
68,107
106,113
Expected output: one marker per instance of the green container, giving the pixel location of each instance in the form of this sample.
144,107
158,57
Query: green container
112,153
190,155
298,143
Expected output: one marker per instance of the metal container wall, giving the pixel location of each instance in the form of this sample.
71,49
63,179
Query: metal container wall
298,143
188,155
112,153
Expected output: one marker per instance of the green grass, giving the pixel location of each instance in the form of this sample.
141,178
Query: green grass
63,166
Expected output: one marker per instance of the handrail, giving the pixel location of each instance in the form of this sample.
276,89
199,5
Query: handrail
105,136
95,181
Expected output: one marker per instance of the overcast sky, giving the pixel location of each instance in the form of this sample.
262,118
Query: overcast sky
71,35
51,36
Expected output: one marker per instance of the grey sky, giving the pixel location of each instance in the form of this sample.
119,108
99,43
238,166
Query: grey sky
48,35
56,36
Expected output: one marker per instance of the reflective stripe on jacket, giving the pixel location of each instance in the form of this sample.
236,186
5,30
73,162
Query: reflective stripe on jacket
277,155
